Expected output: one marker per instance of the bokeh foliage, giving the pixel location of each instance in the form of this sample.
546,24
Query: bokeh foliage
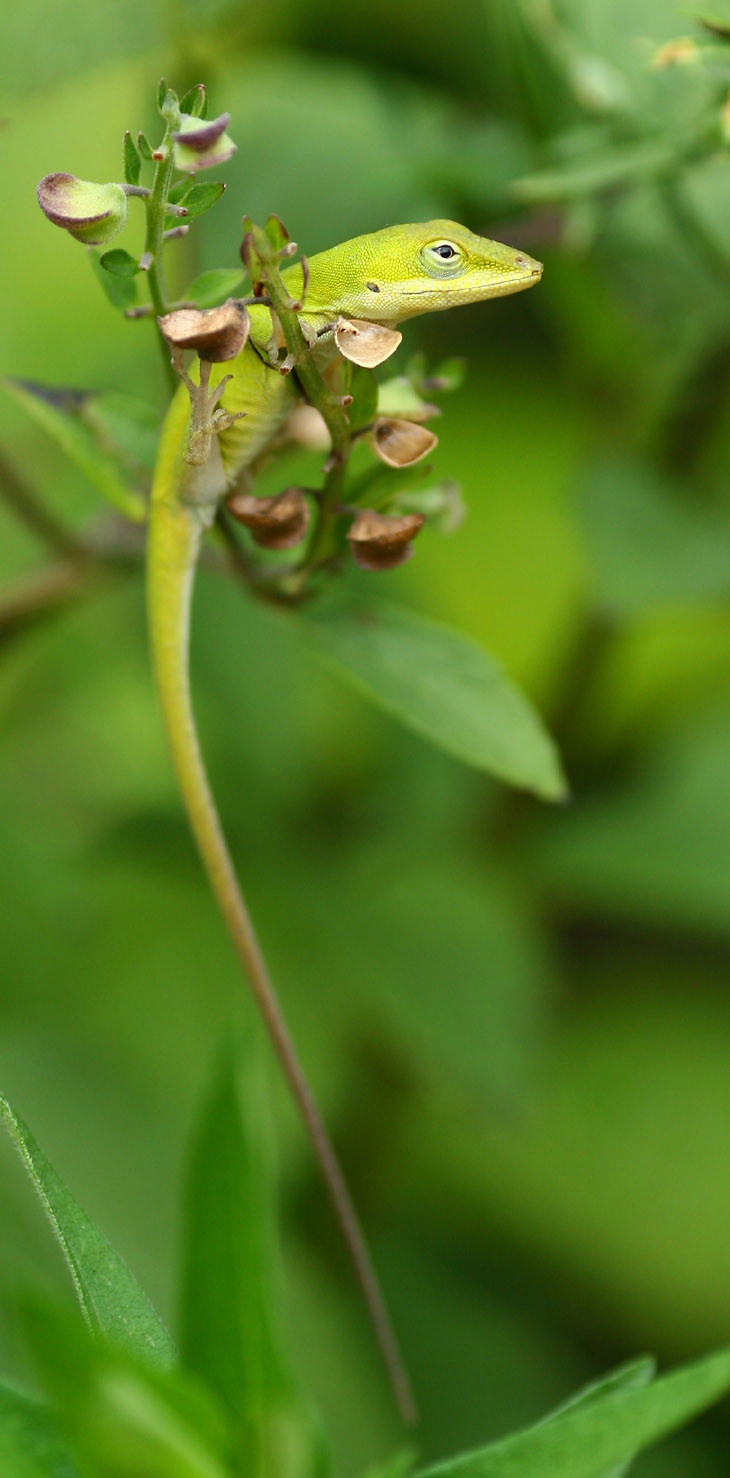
515,1017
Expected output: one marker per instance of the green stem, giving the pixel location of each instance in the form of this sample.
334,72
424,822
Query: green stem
330,407
156,206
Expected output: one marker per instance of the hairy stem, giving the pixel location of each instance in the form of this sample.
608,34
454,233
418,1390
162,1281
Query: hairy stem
156,205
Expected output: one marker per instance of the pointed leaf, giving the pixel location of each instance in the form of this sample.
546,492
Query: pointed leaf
112,1301
632,1376
119,262
195,101
230,1297
144,146
200,198
77,442
132,161
444,686
121,291
593,1438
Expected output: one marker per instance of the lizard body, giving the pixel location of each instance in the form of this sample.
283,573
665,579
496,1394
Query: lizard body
386,278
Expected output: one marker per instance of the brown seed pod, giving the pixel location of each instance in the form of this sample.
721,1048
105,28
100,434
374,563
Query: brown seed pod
216,334
274,523
401,443
364,343
379,542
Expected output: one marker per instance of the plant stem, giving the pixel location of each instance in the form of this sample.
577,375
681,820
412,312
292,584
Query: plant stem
156,207
328,404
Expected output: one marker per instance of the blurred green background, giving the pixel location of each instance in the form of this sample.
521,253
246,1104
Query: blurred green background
515,1017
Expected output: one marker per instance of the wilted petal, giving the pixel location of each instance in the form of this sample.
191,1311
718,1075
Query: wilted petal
274,523
216,334
401,443
364,343
379,542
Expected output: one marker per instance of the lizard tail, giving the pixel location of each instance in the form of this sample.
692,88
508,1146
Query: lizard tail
175,535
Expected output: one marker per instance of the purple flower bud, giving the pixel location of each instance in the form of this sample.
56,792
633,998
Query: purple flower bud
202,143
92,213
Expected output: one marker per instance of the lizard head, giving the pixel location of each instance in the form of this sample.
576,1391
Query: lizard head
402,271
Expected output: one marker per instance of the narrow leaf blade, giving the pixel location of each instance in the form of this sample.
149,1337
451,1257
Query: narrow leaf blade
444,686
112,1301
594,1438
78,444
631,1376
132,160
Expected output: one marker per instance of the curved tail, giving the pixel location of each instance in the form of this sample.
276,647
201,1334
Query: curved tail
175,534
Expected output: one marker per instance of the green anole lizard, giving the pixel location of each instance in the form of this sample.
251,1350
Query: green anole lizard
383,278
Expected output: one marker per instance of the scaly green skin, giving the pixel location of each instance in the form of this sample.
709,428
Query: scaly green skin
385,278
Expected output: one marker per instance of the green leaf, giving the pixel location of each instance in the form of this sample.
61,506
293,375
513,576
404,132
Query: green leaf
199,198
121,291
596,1437
30,1443
119,1417
119,262
213,287
128,426
112,1302
631,1376
195,101
652,542
444,686
277,233
77,442
144,146
161,93
132,161
230,1295
364,392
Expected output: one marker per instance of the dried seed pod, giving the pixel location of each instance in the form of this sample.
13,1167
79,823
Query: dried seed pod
401,443
364,343
216,334
274,523
379,542
89,212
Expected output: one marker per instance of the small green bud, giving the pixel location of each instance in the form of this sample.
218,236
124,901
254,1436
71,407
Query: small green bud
202,143
92,213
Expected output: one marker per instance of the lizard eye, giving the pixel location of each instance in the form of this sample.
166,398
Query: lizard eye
441,256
